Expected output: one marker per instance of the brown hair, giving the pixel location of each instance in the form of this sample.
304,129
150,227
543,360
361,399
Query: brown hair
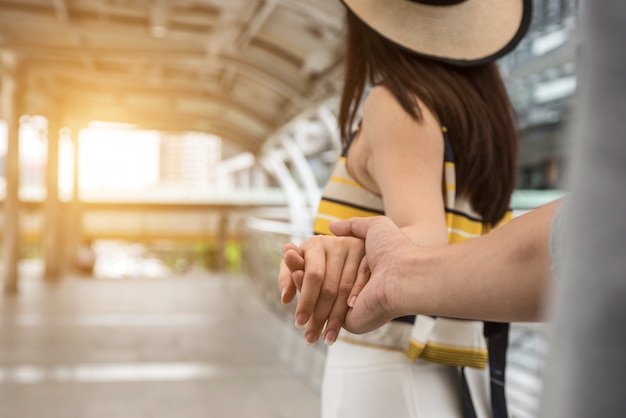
471,102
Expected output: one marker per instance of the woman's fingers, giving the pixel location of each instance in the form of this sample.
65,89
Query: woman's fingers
314,276
337,260
292,262
362,277
349,278
342,264
324,269
286,284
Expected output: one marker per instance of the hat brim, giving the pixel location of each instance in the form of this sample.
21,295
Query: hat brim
468,33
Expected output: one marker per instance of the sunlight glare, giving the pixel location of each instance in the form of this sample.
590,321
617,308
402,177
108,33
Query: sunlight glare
118,159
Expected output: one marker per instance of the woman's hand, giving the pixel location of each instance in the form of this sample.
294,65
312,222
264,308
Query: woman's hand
328,271
290,273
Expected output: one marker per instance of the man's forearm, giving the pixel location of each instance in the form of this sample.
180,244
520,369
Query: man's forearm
502,276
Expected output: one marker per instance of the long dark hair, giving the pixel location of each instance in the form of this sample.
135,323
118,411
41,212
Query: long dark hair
471,102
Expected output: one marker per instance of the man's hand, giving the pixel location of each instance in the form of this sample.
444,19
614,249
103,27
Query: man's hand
388,253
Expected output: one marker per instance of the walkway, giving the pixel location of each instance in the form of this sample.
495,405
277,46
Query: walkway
190,346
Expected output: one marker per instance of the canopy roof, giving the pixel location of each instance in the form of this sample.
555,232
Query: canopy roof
239,69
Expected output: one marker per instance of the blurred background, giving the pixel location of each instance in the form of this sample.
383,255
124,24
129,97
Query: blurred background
155,156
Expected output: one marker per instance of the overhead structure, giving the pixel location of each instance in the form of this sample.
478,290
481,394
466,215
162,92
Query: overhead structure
238,69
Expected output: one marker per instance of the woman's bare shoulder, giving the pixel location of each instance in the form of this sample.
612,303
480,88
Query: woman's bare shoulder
379,95
382,108
381,101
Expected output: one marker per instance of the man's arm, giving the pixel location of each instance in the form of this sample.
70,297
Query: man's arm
501,276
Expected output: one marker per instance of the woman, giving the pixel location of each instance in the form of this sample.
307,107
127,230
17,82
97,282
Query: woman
434,150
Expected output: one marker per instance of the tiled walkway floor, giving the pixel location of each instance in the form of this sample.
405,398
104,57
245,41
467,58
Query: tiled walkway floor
189,346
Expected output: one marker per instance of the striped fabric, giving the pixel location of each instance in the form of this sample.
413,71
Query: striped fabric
344,198
442,340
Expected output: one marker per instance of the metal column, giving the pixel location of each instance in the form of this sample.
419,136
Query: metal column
52,238
11,228
74,224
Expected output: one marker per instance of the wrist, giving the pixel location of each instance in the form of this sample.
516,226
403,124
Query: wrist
418,291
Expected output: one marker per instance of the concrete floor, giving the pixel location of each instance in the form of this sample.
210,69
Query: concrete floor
189,346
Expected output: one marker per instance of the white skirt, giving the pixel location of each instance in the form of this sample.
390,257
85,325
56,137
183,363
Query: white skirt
368,382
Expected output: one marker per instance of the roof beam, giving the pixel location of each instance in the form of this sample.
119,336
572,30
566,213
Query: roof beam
264,76
257,21
60,9
159,18
76,84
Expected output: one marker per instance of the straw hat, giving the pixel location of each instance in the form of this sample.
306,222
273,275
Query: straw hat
462,32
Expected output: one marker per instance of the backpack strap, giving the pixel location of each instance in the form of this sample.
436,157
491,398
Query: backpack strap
497,335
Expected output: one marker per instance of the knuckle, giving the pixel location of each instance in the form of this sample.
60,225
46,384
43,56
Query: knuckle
315,240
344,291
315,276
335,321
328,292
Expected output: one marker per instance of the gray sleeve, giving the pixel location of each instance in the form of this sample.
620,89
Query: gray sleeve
558,237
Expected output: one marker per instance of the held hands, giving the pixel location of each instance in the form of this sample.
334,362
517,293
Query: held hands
333,277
